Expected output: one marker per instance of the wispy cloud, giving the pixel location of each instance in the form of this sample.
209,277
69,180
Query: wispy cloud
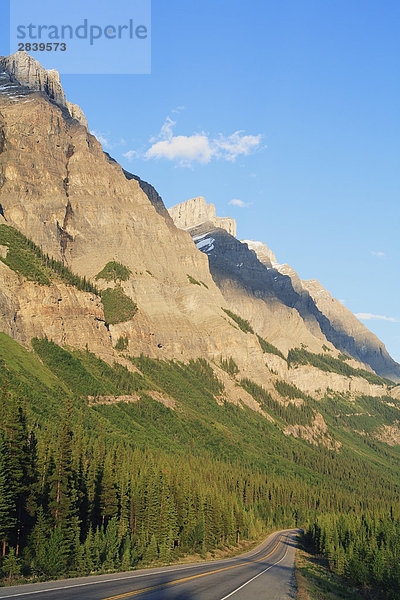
235,145
101,138
370,317
130,154
240,203
199,147
378,253
166,131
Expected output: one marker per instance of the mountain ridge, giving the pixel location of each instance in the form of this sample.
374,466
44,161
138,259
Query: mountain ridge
80,207
338,324
163,392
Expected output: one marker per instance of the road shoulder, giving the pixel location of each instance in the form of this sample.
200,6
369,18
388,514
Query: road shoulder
315,581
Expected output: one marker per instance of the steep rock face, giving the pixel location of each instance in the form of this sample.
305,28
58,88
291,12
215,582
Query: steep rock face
62,313
315,382
60,190
76,113
258,293
350,335
264,254
28,72
153,196
395,392
367,347
291,312
196,211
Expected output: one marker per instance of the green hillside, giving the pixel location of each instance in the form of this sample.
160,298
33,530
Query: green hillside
94,484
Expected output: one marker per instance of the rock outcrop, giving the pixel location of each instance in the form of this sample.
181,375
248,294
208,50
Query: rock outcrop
196,211
28,72
264,254
76,113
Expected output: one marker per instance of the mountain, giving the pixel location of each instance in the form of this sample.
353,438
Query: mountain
352,336
76,203
165,388
249,271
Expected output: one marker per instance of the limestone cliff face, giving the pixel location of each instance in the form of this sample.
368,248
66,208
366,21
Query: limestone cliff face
25,70
76,113
196,211
60,312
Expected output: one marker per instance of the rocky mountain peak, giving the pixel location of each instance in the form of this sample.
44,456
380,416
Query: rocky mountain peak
25,70
264,254
196,211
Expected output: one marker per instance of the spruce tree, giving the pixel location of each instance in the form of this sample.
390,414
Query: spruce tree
63,503
38,540
7,498
15,435
11,565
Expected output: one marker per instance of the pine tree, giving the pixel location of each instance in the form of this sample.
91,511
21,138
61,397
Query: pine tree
15,435
112,544
53,559
7,503
63,503
11,565
38,540
108,495
87,558
126,559
151,553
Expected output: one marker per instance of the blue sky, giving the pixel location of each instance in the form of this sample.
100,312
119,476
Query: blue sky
291,107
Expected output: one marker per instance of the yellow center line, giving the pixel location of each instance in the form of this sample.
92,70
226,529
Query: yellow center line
161,585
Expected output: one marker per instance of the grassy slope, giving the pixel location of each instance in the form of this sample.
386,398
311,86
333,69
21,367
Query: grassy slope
315,581
199,425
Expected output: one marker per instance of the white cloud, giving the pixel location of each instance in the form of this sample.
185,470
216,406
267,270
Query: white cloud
101,138
178,109
237,144
199,147
379,253
130,154
240,203
166,131
185,149
370,316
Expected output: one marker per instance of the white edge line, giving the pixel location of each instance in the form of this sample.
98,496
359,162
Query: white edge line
67,587
255,577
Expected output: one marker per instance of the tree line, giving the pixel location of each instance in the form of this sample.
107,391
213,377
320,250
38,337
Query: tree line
364,548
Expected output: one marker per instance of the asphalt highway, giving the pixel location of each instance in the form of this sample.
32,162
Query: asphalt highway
264,573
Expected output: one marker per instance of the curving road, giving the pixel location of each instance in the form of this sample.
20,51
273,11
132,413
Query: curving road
266,572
